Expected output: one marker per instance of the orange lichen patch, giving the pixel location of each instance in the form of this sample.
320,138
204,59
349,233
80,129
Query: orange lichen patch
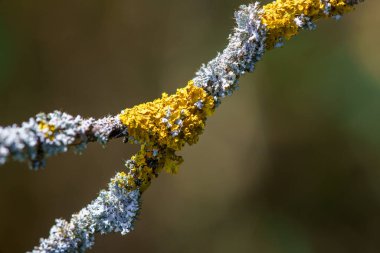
279,16
170,121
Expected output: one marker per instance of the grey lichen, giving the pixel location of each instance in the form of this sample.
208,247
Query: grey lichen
49,134
114,210
246,46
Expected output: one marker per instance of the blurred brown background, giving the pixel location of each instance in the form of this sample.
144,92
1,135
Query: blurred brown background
290,163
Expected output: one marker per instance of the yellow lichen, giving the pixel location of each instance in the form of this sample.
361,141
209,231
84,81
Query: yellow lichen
47,129
279,16
147,166
120,179
163,127
170,121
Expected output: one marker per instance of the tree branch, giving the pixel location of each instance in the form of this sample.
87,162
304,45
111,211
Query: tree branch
161,127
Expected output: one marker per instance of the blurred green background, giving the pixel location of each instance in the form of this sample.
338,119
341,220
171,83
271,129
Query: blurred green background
289,163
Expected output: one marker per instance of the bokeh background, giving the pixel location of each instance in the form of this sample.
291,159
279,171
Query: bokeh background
289,163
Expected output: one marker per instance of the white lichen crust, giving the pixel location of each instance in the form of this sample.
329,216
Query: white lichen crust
46,135
246,46
114,210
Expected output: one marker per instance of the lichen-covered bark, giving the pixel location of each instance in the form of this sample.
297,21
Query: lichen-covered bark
161,127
